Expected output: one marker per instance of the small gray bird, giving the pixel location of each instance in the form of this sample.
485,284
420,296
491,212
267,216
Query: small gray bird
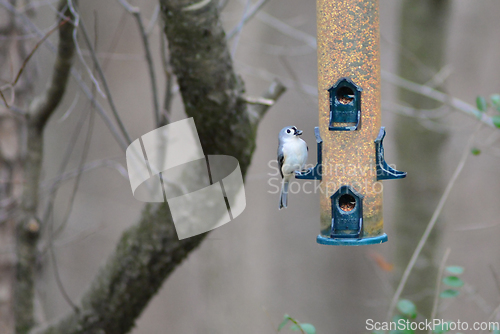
292,156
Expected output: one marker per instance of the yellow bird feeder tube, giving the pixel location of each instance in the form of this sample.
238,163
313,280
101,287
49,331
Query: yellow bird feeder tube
350,152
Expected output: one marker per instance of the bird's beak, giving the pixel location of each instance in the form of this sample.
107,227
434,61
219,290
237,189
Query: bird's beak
298,132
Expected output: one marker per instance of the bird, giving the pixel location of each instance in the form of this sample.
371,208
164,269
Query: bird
292,156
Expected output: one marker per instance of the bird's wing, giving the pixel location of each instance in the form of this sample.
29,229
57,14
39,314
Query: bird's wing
281,159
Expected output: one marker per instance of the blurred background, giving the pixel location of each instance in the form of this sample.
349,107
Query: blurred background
247,274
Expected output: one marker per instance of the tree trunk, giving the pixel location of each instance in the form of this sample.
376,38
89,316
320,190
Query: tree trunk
13,51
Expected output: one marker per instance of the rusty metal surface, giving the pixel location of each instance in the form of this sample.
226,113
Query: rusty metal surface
348,46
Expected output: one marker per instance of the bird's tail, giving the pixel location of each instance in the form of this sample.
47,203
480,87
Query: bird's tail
284,193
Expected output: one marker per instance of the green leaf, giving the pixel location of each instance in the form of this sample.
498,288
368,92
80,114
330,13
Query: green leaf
406,307
481,104
307,328
453,281
449,293
495,100
378,332
496,121
286,318
457,270
475,151
442,328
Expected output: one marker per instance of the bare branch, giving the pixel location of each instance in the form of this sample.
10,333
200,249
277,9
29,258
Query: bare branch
154,19
107,120
50,185
272,94
432,223
23,66
169,78
213,96
247,17
287,30
25,62
238,28
28,227
79,52
44,105
438,285
75,74
100,71
149,59
438,96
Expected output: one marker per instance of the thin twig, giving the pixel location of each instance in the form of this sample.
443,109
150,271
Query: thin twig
100,72
222,4
74,73
28,226
246,17
57,276
85,151
296,79
492,316
79,174
147,51
259,100
27,59
297,324
4,100
287,30
65,160
269,76
76,16
438,285
496,279
23,66
167,100
154,19
77,77
52,184
71,108
438,96
273,93
432,222
107,120
25,62
239,28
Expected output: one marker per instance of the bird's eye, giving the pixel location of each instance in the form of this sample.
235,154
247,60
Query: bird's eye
288,131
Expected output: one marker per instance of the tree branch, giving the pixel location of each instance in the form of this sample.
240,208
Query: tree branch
44,105
28,227
438,96
150,251
273,93
147,53
100,72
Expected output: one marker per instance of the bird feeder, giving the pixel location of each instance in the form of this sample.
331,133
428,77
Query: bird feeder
350,153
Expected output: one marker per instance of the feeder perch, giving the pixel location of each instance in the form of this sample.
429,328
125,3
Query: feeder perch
350,158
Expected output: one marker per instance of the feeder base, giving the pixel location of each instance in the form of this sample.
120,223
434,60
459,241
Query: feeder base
351,242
